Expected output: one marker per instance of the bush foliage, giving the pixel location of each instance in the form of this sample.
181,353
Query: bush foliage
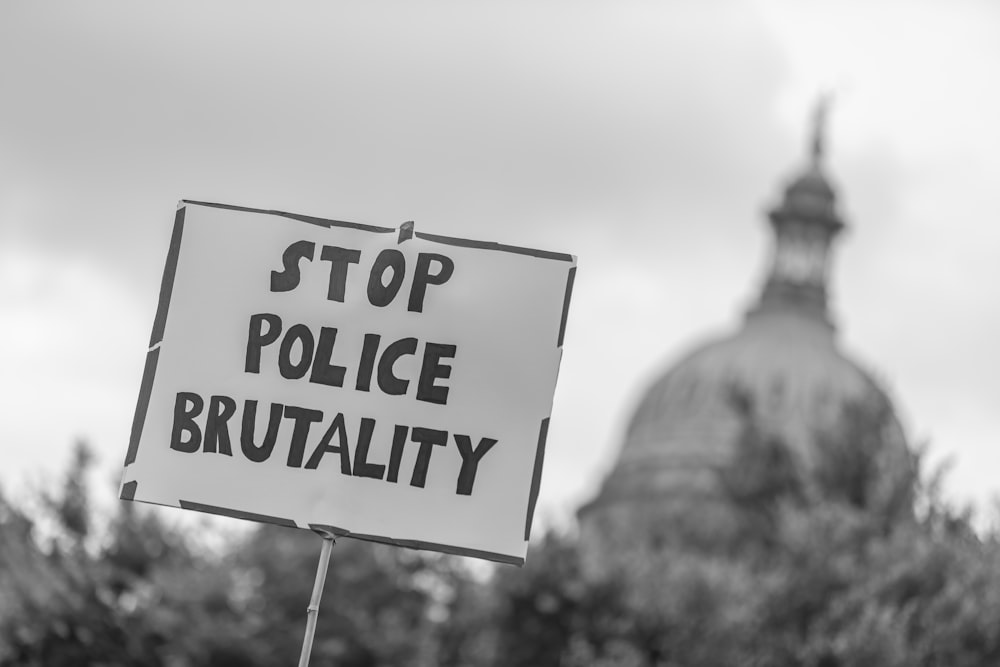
852,562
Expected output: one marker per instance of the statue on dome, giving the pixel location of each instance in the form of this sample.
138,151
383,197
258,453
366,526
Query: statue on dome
820,113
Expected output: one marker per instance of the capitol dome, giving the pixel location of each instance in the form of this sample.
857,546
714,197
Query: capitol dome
784,362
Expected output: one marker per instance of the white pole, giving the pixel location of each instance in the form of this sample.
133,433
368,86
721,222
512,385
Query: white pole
312,611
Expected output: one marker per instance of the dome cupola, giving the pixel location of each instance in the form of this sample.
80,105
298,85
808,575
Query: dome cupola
805,224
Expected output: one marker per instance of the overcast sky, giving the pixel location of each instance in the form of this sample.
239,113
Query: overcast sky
646,138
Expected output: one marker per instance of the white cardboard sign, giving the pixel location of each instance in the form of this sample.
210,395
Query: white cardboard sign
385,384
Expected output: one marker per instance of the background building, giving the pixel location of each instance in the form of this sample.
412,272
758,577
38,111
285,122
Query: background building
784,367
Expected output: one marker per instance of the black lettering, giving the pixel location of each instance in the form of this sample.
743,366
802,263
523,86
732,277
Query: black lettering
220,410
470,461
304,419
422,277
259,454
340,260
387,380
184,421
380,294
288,279
431,370
323,372
256,338
367,364
338,428
294,371
361,466
396,455
427,438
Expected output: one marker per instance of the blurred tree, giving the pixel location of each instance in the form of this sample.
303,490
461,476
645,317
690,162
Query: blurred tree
140,592
831,566
864,463
138,595
380,605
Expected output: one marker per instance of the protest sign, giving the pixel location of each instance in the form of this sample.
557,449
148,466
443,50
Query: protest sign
385,384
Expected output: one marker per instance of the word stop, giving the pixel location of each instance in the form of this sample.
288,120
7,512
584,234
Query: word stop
385,275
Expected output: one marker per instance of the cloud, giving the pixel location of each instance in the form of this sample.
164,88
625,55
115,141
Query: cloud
533,116
645,137
70,359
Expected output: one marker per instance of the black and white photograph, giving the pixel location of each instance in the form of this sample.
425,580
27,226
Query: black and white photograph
500,334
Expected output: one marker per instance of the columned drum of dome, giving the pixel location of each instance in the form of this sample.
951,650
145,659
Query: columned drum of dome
785,359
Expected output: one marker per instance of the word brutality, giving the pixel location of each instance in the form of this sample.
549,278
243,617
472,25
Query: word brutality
303,355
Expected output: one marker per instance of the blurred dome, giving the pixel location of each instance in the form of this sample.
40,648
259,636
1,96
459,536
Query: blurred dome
784,364
789,368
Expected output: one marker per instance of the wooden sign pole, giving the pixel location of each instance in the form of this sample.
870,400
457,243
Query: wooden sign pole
312,611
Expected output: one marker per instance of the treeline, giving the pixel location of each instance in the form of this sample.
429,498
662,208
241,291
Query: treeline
852,563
